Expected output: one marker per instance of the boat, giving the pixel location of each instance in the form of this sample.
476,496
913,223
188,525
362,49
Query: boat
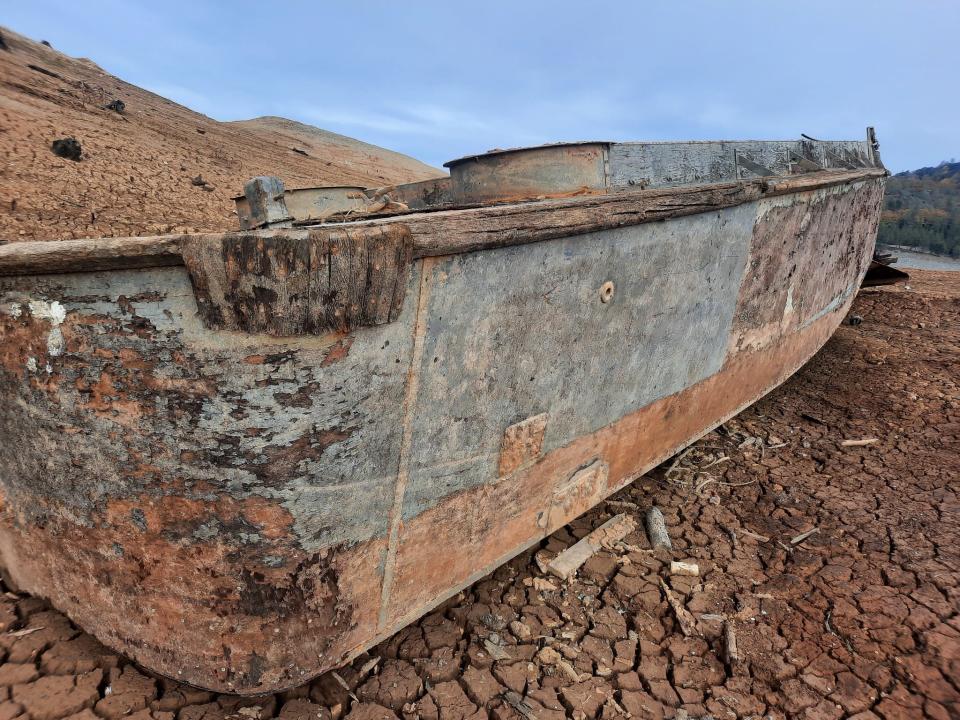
244,458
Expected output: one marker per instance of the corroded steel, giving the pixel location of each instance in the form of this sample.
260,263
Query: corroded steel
243,511
521,174
322,202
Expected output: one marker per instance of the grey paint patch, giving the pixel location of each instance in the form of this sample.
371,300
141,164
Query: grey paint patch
670,164
520,331
345,414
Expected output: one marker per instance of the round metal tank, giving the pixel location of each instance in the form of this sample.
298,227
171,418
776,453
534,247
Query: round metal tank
524,173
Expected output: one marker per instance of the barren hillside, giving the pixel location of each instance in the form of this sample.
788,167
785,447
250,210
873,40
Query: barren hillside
136,172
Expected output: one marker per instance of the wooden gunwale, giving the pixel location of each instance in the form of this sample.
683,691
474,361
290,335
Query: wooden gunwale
445,232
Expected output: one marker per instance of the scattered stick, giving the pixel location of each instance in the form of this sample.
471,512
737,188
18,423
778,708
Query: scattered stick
24,632
755,536
730,644
369,666
657,529
613,530
733,536
343,684
803,536
688,625
859,443
813,418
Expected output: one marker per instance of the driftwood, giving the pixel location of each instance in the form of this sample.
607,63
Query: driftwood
657,529
448,231
730,650
803,536
688,626
859,443
684,568
569,561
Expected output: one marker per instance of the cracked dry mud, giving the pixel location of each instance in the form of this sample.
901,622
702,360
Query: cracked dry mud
858,619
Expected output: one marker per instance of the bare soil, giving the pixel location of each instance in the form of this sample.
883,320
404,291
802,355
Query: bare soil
138,168
857,619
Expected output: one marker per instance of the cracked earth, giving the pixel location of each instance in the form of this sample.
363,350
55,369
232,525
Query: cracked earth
828,580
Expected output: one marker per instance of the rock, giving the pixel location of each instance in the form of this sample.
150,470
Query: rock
520,630
68,148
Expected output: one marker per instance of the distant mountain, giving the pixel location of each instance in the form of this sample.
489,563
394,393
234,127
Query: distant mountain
923,210
148,165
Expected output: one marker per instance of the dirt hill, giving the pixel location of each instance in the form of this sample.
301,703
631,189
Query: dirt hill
137,168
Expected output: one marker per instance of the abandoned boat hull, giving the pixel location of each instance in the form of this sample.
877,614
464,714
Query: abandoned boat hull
242,511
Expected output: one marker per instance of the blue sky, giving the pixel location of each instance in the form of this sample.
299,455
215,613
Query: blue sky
438,80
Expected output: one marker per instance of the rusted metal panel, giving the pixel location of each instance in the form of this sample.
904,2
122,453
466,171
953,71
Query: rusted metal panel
243,511
319,203
669,164
419,195
548,171
265,204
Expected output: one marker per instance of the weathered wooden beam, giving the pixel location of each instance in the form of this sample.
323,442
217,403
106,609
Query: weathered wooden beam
309,282
60,256
448,231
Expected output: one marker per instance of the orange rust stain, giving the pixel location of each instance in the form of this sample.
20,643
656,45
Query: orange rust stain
338,351
111,403
522,443
208,608
21,339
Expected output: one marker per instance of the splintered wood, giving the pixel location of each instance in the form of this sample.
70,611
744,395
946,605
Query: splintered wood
567,563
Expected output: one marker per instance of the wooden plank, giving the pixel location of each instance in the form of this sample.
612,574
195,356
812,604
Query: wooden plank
569,561
59,256
448,231
327,279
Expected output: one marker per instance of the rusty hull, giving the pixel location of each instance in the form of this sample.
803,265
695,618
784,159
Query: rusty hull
242,511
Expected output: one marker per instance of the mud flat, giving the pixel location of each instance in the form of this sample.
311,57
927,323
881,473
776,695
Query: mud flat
828,576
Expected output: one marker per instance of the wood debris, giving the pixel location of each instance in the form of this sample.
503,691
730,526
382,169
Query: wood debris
657,529
859,443
684,568
755,536
688,625
343,683
803,536
566,564
730,644
24,632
